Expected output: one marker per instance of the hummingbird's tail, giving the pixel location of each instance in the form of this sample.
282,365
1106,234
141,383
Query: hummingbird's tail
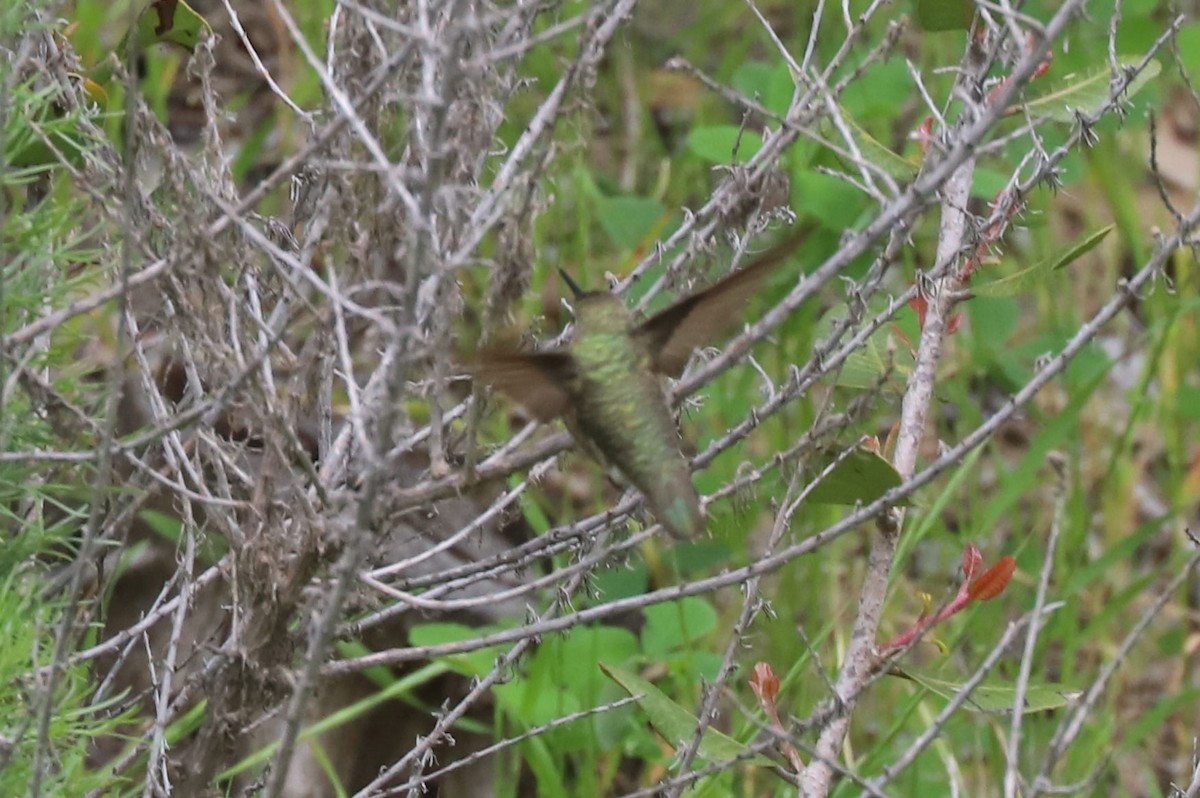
682,517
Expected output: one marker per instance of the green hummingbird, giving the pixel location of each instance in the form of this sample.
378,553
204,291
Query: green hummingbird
604,383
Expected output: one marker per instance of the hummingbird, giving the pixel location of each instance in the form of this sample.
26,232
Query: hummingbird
604,383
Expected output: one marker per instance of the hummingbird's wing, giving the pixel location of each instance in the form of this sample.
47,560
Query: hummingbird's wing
537,380
671,335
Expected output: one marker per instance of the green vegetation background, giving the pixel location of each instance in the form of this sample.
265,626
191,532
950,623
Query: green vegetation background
1127,425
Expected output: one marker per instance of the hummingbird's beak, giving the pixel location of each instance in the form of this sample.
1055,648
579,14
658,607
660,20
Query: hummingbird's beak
574,286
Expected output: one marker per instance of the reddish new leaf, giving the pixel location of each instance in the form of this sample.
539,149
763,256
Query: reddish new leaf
765,684
924,135
972,560
994,580
920,305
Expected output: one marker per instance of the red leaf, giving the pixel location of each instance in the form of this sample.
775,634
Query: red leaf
924,135
972,560
921,305
765,683
994,580
1043,67
1047,60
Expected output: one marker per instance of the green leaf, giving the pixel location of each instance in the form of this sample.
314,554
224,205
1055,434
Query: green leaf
1022,281
187,725
573,664
1188,398
678,725
472,663
873,152
1188,43
1087,93
695,558
943,15
993,321
161,22
27,150
629,220
862,476
829,200
716,143
996,698
675,624
865,366
624,581
171,22
168,527
753,78
987,183
771,85
534,702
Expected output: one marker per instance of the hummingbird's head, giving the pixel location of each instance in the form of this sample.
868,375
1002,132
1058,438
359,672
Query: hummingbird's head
598,311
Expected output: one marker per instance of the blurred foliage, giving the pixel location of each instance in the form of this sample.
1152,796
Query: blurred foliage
610,205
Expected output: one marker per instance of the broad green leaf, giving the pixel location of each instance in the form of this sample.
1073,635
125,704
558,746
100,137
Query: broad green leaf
695,558
781,90
1022,281
827,199
573,663
862,476
613,584
535,702
943,15
752,78
161,22
995,698
716,143
472,663
1086,93
675,624
678,725
1188,43
629,220
993,321
884,352
171,22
